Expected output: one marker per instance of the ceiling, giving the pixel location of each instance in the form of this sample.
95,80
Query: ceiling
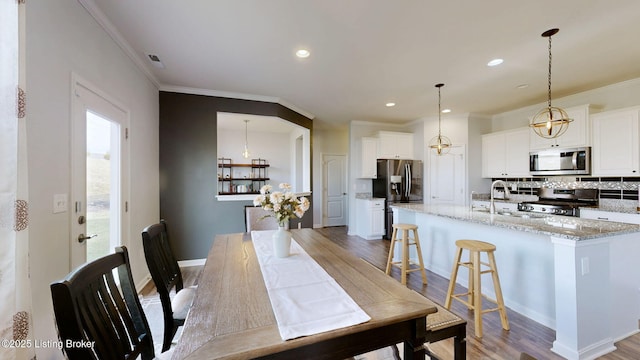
257,123
365,53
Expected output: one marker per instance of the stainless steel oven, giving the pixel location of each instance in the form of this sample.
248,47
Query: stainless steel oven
574,161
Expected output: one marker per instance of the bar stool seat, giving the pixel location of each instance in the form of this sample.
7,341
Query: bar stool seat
405,262
474,291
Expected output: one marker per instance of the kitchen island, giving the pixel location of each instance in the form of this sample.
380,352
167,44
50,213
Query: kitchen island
579,277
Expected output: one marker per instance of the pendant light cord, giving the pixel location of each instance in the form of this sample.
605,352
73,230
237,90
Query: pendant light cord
439,86
549,78
439,113
246,136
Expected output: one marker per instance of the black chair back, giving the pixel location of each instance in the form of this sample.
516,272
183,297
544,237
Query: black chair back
97,318
165,273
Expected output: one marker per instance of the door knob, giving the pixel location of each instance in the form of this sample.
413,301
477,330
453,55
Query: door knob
82,238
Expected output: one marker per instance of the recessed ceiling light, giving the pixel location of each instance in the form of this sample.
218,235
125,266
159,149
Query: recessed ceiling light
522,86
390,104
445,111
495,62
303,53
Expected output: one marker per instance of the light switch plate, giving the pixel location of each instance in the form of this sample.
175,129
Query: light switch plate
60,202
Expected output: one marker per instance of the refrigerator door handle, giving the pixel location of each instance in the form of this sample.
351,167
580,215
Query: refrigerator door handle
408,180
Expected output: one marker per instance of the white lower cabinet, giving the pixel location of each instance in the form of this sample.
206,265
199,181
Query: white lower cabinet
370,218
628,218
500,205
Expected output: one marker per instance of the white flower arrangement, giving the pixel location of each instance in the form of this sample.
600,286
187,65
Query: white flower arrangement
284,204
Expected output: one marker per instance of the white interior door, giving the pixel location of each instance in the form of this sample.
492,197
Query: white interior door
335,185
98,159
447,177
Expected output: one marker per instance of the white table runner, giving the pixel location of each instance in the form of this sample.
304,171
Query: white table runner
305,299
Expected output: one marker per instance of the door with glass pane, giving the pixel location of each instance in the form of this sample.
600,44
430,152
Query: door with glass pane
98,157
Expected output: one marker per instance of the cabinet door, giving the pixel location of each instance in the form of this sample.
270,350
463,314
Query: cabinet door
493,155
517,153
576,135
404,146
578,132
368,153
386,146
377,221
615,143
392,145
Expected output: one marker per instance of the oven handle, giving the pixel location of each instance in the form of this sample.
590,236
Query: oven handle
574,160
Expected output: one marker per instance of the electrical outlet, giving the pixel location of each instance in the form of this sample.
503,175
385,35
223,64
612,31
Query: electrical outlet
585,265
60,202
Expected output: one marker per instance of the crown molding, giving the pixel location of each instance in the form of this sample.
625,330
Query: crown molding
111,30
234,95
378,123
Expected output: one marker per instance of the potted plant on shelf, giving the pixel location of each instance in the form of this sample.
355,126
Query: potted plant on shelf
284,205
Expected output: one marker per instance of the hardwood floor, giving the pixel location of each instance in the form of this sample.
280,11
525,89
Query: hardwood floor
497,344
525,335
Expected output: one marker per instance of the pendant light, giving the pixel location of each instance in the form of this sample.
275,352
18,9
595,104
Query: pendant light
550,122
440,144
245,152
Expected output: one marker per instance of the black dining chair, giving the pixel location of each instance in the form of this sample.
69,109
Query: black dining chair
166,276
99,318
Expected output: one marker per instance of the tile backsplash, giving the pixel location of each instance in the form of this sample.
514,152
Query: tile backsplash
615,192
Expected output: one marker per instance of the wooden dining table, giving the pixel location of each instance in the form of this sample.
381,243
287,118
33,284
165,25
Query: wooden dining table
232,317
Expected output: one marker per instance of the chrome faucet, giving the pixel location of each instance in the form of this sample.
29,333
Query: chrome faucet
492,206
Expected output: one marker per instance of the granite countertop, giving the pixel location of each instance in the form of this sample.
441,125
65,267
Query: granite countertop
613,209
368,196
571,228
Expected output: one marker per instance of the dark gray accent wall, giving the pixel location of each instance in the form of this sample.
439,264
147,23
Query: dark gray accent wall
188,169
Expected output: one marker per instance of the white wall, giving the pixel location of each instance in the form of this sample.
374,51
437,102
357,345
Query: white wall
357,130
611,97
326,142
273,147
61,38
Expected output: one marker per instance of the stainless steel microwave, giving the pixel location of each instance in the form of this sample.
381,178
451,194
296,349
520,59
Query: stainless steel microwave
574,161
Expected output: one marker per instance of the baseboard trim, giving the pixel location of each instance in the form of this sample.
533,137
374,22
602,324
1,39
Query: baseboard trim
142,283
194,262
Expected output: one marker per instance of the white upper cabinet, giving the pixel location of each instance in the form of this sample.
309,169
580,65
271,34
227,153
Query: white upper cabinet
506,153
395,145
578,133
615,149
368,157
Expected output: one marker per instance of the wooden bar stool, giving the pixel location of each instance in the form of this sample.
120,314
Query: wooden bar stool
405,263
474,291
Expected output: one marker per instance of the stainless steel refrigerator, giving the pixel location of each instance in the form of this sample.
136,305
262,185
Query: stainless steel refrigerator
398,181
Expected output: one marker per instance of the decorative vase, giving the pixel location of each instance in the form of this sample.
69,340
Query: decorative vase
281,242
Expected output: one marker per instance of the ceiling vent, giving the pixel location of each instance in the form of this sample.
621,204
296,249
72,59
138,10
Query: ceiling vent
155,60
